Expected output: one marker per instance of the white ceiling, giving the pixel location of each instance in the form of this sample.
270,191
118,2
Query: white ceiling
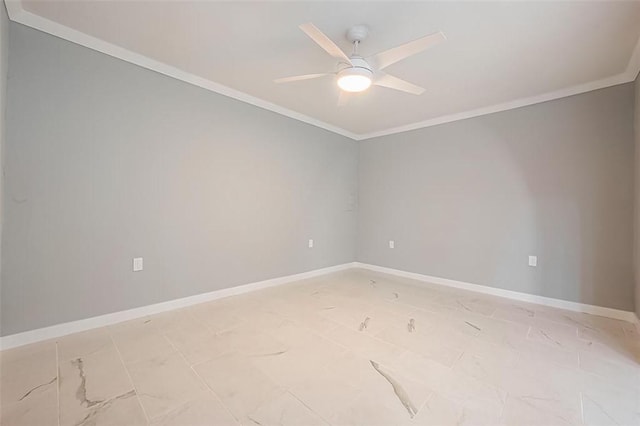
498,55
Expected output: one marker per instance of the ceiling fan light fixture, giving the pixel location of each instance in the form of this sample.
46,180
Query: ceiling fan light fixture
354,79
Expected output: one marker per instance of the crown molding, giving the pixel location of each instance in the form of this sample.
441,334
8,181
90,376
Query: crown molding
629,75
518,103
18,14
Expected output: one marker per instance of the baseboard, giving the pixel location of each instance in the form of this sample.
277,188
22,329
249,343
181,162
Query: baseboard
515,295
58,330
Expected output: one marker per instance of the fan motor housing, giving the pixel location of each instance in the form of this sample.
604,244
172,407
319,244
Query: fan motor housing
365,72
357,62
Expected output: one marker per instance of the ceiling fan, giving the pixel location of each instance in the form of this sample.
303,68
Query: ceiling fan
356,73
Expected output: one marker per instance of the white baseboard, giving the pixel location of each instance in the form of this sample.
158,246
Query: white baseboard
58,330
515,295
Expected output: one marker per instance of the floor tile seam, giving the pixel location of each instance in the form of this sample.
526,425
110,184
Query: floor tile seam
359,392
510,321
57,383
616,384
203,382
373,337
290,392
198,320
500,389
126,369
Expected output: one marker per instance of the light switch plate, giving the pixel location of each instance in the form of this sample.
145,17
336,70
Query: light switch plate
310,243
392,244
533,260
137,264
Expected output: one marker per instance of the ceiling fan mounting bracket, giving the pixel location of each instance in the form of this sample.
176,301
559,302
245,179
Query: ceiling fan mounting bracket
357,33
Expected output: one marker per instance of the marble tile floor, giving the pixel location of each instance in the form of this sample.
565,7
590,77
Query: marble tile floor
351,348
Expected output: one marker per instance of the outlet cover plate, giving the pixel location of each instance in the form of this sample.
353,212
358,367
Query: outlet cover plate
137,264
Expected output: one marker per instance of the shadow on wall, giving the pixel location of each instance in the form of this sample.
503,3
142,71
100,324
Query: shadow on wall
574,203
471,200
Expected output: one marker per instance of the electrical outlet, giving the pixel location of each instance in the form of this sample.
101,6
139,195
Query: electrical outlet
310,243
392,244
137,264
533,260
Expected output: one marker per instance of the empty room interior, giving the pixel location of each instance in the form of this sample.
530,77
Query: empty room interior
319,213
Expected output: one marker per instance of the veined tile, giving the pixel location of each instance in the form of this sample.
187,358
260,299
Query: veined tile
615,372
395,306
314,321
240,385
347,316
139,340
541,350
82,344
291,365
473,393
430,373
326,393
275,356
91,383
28,385
177,320
631,330
558,335
496,368
424,321
492,329
439,411
476,305
366,346
27,371
206,410
442,346
551,390
378,381
216,316
378,319
39,408
522,314
624,351
536,411
262,320
164,383
427,302
285,410
577,319
607,404
367,410
123,409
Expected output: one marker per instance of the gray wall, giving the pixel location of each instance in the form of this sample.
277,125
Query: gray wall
471,200
106,161
636,254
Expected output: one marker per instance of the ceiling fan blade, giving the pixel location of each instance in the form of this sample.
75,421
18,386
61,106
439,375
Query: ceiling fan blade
323,41
343,98
387,80
398,53
299,78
